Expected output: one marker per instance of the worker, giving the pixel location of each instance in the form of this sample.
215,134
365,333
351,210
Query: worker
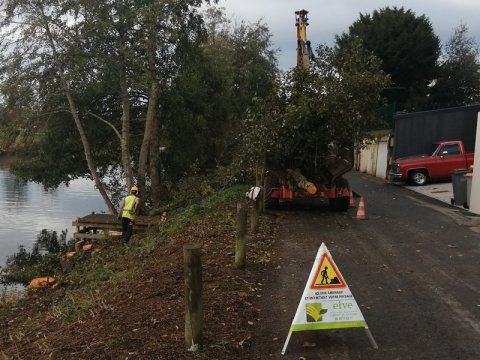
129,207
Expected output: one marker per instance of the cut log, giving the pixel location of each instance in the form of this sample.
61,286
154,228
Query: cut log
87,247
42,282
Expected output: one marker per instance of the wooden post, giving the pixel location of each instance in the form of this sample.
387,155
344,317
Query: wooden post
79,246
65,263
241,235
256,210
261,201
193,296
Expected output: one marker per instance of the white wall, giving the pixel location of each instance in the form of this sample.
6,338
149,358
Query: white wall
373,157
475,186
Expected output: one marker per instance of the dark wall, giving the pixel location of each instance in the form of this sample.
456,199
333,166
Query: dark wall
415,132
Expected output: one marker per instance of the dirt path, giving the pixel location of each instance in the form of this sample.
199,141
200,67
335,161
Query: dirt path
413,271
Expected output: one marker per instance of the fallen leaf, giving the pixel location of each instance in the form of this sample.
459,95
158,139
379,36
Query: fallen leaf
308,344
246,338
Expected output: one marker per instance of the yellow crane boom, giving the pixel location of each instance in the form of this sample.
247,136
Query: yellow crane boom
304,50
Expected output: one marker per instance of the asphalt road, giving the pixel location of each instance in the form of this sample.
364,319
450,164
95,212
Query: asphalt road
412,266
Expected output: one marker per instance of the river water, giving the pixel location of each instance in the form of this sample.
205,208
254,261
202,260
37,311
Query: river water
27,208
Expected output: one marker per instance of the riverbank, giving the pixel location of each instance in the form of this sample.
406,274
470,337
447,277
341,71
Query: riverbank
127,301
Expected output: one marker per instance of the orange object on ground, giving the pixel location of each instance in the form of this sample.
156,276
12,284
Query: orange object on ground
42,282
361,210
71,254
87,247
352,201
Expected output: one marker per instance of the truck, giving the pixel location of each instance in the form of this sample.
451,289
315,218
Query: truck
289,178
444,157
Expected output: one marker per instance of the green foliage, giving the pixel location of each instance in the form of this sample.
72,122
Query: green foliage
207,100
408,48
315,112
43,260
225,197
209,72
99,274
458,82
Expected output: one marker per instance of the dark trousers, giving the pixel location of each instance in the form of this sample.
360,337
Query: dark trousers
127,229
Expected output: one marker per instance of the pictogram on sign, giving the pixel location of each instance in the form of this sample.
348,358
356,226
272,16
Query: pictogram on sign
327,275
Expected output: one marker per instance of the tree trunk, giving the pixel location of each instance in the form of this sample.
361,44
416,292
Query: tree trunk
86,149
83,137
125,140
154,169
125,99
149,134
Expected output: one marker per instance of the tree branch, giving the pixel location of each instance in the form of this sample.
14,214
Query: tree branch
106,122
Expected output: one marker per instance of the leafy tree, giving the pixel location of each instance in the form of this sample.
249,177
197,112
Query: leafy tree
208,99
101,63
408,48
314,113
43,48
458,82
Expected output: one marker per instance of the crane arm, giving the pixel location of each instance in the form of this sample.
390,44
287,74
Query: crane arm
304,49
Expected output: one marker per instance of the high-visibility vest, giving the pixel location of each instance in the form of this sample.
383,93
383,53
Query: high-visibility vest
128,207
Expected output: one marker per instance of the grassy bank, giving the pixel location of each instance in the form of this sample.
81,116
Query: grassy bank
127,301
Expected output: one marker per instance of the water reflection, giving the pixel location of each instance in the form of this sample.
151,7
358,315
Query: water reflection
15,187
27,208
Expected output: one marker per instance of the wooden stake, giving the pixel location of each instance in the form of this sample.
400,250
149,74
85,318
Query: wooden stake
256,210
193,297
66,263
241,236
79,246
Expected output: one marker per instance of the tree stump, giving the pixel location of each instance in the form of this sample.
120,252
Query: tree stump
79,246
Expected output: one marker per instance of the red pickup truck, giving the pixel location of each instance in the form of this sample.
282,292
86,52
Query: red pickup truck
445,157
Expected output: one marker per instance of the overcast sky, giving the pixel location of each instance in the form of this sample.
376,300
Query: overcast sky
333,17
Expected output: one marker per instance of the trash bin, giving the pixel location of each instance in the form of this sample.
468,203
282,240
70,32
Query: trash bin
459,184
468,177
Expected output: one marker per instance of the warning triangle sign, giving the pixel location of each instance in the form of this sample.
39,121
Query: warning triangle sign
327,302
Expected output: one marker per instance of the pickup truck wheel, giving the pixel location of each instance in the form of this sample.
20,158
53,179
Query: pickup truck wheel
270,182
418,177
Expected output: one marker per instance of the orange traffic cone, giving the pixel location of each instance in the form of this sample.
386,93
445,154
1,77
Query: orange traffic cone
361,210
352,201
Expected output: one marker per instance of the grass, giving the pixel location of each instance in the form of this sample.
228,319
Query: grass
226,197
81,288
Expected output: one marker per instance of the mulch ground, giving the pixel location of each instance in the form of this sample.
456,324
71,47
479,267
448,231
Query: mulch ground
144,319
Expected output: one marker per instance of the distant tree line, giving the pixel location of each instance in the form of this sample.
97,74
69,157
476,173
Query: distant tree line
157,91
424,75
